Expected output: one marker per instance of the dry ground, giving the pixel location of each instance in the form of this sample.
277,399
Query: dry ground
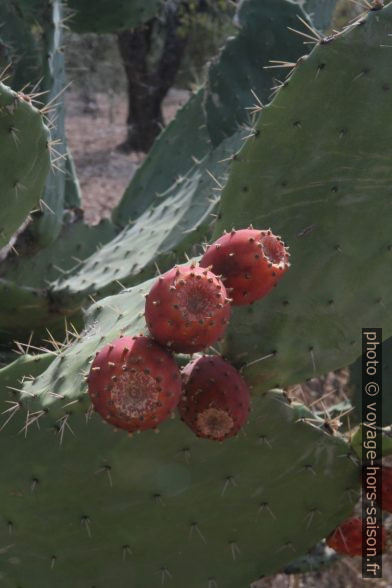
104,173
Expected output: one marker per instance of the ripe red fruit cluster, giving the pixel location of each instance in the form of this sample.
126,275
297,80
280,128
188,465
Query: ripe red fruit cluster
134,383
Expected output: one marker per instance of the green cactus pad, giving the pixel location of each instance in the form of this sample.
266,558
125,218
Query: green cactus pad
316,171
34,31
48,226
159,236
104,321
25,279
24,162
108,16
167,508
263,36
23,369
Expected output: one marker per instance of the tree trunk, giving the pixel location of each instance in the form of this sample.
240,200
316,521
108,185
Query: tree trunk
146,88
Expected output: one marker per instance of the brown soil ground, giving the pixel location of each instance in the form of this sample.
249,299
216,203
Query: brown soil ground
104,173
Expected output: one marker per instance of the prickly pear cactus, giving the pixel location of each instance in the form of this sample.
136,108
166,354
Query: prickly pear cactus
83,504
223,510
34,35
263,38
48,226
161,235
179,184
105,16
313,170
175,186
25,160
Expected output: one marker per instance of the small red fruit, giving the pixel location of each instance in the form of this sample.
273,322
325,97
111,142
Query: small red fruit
134,383
347,538
187,309
250,261
216,399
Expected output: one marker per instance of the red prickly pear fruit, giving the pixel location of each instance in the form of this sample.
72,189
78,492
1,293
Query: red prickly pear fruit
347,537
216,399
187,309
250,261
134,383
